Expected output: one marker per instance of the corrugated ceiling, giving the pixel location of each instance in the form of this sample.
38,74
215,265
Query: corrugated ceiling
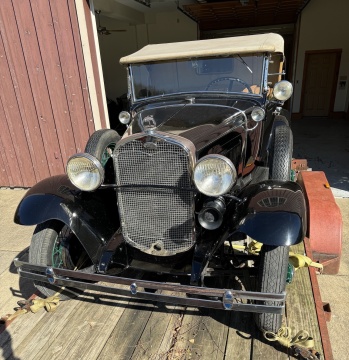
215,15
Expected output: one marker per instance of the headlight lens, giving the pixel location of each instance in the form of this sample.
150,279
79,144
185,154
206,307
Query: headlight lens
283,90
257,114
214,175
85,172
124,117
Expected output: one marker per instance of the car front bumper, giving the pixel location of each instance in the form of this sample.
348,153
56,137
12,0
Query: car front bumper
228,299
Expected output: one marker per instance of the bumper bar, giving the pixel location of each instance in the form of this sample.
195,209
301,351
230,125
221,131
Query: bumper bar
227,299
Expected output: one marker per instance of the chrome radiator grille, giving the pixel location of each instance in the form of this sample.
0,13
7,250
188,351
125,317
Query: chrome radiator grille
158,220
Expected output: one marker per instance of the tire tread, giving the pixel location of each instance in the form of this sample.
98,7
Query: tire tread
282,153
272,279
99,140
40,247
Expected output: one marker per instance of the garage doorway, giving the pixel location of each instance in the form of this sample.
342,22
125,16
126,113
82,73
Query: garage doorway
319,82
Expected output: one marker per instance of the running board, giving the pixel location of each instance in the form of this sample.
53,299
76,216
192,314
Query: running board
227,299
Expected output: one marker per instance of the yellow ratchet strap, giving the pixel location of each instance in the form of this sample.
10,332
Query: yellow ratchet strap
299,261
284,337
50,304
254,247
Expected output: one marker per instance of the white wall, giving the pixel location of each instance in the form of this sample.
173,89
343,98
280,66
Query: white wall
158,28
324,25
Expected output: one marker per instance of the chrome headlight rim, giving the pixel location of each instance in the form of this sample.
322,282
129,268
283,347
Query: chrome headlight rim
99,167
221,158
276,90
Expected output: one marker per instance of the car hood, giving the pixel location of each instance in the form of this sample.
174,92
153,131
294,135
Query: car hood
199,122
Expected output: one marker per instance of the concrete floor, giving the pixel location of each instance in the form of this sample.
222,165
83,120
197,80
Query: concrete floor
324,142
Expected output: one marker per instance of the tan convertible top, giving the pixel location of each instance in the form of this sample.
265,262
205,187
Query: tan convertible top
212,47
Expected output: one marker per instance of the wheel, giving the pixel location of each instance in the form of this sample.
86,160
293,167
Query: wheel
54,244
272,279
280,164
101,144
231,80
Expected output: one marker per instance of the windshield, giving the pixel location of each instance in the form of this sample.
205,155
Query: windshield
235,74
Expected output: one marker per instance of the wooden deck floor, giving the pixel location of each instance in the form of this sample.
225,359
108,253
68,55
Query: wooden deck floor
96,326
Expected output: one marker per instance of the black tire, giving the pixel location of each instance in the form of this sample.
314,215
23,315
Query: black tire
272,279
280,168
101,144
54,244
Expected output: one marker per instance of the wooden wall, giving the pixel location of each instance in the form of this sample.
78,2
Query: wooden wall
45,112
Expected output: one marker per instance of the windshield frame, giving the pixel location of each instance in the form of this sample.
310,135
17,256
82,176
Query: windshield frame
262,85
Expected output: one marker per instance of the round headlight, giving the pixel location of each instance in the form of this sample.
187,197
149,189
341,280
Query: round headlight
257,114
283,90
85,172
214,175
124,117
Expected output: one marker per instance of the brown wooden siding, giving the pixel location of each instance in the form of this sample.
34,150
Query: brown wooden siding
45,113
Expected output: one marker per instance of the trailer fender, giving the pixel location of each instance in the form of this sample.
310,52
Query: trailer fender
85,213
274,213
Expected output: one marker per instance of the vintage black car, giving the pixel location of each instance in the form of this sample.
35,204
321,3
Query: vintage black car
199,179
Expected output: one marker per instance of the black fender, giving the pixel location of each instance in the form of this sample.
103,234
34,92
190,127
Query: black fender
267,141
273,213
92,216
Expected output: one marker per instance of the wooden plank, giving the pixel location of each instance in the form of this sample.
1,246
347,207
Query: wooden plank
48,327
5,172
248,340
239,338
262,349
125,336
241,328
81,68
182,331
19,329
158,335
13,288
22,88
11,129
39,86
22,325
202,335
85,331
169,338
52,68
300,309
